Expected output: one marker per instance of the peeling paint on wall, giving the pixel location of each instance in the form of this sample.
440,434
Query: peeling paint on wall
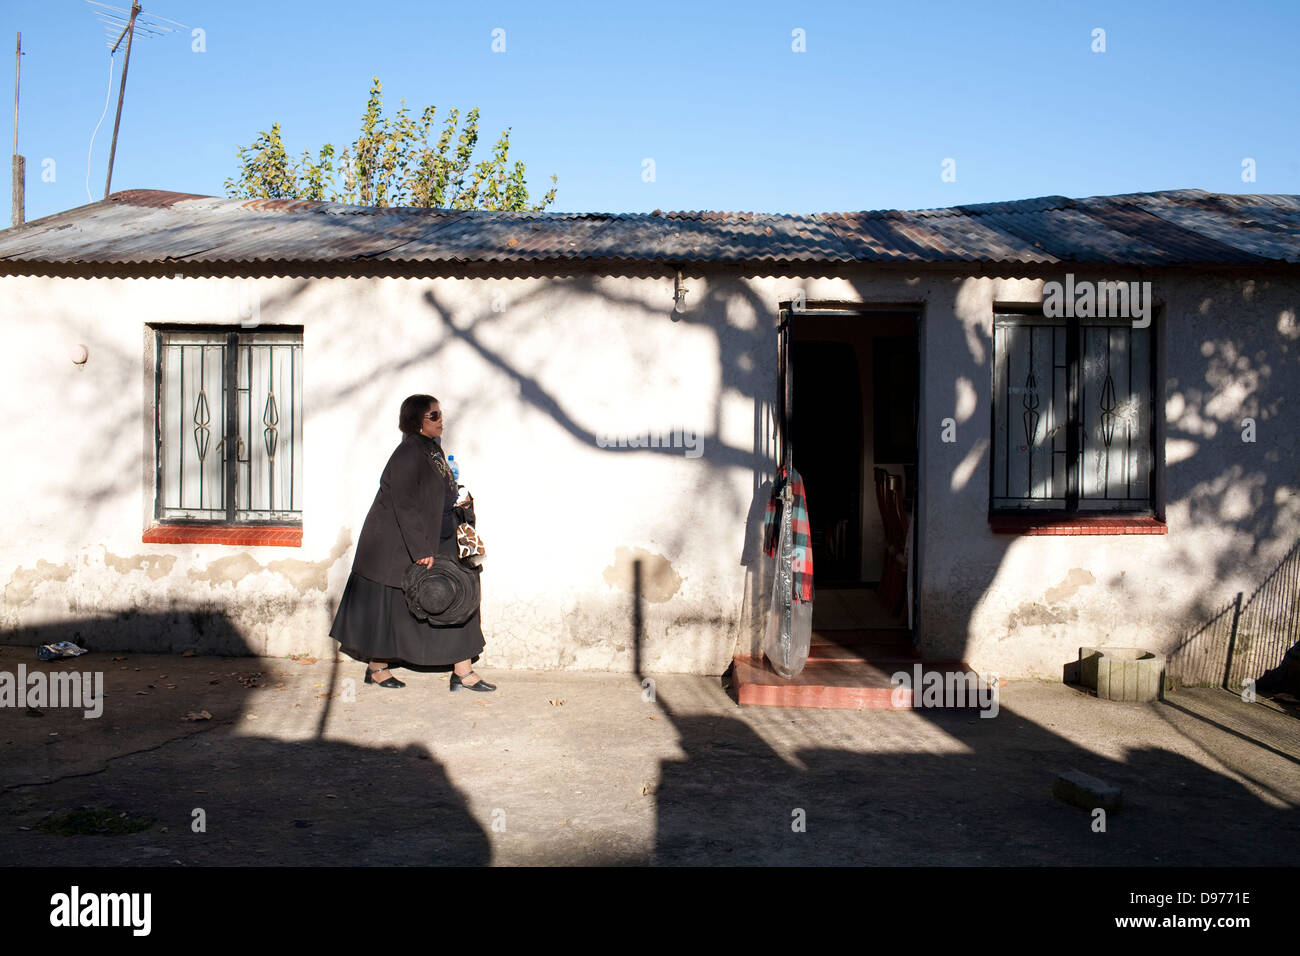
154,565
229,570
22,583
1051,612
659,581
1038,615
313,575
1075,578
303,575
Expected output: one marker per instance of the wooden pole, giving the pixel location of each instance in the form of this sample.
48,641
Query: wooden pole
121,93
18,53
18,203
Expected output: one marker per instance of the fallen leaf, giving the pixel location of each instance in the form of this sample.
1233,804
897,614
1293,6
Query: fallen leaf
199,715
189,653
306,660
555,701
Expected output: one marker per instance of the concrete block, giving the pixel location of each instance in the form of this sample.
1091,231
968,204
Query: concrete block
1122,673
1082,790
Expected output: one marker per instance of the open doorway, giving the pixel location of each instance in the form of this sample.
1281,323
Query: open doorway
853,386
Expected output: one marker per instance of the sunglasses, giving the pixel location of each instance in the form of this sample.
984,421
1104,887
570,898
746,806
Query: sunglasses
434,416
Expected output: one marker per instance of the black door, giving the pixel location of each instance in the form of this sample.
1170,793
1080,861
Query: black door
826,427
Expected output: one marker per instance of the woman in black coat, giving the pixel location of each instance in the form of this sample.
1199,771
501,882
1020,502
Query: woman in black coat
412,520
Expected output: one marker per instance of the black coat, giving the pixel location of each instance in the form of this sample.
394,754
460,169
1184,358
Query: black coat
404,522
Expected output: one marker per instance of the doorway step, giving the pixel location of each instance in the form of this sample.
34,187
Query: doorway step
846,670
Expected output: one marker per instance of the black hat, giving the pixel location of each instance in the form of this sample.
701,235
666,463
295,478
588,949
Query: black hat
446,594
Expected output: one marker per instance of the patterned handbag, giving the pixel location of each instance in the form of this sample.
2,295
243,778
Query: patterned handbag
469,545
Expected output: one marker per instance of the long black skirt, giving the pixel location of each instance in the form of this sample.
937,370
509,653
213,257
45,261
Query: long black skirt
374,623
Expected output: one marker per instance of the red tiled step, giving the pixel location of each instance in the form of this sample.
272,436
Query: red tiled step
830,684
852,685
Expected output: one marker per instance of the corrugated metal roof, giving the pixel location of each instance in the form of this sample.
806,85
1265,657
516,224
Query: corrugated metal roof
1188,226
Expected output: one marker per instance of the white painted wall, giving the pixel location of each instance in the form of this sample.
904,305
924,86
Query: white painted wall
529,390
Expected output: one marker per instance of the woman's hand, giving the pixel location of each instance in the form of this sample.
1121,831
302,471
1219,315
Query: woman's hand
427,562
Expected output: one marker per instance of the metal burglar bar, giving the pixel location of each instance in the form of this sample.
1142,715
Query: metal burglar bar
229,428
1072,407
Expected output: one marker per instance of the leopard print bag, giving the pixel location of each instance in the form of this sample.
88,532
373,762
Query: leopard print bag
469,545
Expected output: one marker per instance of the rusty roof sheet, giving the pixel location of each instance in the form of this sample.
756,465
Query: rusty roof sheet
1188,226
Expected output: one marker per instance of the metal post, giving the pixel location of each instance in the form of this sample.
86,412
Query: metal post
18,211
121,93
1232,641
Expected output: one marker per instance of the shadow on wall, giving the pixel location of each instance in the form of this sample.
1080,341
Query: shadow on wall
267,800
745,354
115,421
1208,477
1213,479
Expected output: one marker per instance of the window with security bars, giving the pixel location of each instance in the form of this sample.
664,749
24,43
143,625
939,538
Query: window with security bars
229,426
1072,416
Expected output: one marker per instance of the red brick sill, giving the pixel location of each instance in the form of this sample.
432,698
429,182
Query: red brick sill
1081,525
276,536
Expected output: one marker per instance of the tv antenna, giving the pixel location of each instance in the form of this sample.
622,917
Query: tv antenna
121,24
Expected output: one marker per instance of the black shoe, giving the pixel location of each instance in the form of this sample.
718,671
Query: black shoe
480,685
391,681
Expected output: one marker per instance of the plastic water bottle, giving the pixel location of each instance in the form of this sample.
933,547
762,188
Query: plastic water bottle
455,468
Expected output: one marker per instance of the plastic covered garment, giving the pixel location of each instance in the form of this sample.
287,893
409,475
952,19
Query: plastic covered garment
789,623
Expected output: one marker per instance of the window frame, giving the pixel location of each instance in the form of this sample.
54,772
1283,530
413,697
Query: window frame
230,466
1153,510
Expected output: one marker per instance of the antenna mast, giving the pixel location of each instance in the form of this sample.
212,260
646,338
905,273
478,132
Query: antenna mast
129,33
149,26
18,213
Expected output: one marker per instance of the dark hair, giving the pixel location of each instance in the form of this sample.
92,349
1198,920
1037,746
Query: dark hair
411,418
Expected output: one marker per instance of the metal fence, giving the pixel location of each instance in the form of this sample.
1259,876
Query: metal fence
1246,639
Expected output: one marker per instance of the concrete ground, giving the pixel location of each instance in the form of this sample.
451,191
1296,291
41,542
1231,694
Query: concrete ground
302,764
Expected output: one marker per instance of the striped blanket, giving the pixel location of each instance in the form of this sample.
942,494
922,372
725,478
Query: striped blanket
803,556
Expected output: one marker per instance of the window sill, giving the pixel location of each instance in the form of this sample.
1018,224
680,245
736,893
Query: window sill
276,536
1048,525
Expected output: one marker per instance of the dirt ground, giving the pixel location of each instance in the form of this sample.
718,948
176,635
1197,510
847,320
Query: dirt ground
300,763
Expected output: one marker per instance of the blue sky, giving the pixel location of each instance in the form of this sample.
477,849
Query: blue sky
712,92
